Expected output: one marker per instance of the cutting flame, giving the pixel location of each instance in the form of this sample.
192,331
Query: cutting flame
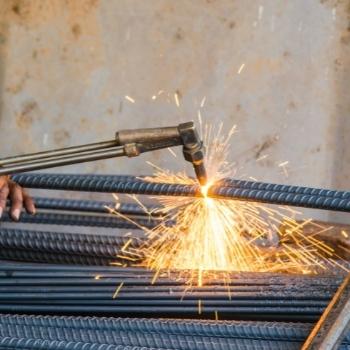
209,238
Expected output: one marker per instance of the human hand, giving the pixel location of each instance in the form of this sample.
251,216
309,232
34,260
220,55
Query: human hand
18,197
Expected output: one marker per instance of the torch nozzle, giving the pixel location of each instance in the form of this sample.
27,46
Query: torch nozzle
193,150
201,173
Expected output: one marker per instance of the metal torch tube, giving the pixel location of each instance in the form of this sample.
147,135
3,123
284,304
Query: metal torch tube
111,152
58,153
61,157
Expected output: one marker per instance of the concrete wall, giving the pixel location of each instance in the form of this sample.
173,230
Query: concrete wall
279,69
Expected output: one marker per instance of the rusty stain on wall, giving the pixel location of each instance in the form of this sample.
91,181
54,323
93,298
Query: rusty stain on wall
261,148
28,114
61,137
36,12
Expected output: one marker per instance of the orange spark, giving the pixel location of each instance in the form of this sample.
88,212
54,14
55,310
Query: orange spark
212,238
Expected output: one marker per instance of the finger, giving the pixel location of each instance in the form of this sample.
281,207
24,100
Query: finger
3,180
4,192
28,203
16,196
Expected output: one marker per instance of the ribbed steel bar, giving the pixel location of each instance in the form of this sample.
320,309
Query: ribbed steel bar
144,299
34,177
90,290
226,182
230,312
58,182
55,258
35,235
111,221
100,184
137,283
149,340
19,266
61,247
263,186
105,246
43,344
236,278
282,198
66,248
139,286
276,298
102,295
241,344
240,284
228,329
96,206
140,279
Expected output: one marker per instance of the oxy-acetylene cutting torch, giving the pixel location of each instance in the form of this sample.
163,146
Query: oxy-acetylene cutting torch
129,143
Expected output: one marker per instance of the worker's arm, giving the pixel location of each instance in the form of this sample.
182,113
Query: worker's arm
18,197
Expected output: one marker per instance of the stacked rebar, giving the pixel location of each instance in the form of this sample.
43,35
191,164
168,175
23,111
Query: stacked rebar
128,333
98,333
154,313
122,291
68,248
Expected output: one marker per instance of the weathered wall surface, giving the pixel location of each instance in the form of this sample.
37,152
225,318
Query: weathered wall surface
278,69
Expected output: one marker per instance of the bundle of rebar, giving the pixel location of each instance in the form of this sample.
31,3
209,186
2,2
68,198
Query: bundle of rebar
225,189
114,333
132,292
68,248
155,312
131,333
58,211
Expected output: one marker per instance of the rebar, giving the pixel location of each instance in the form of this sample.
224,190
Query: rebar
267,297
92,184
235,278
96,206
40,257
263,186
229,329
110,330
148,340
283,198
30,235
18,266
69,247
59,246
111,221
35,177
43,344
286,314
96,184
